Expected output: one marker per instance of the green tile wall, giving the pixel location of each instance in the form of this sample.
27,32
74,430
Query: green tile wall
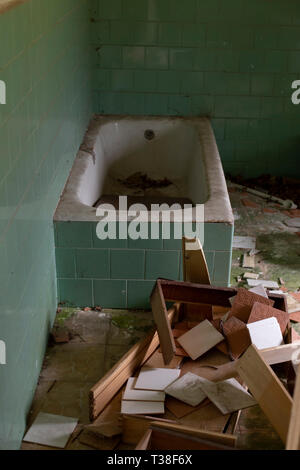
232,60
45,62
122,273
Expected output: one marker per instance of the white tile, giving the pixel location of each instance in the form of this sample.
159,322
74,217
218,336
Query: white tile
200,339
142,407
187,389
51,430
156,379
263,282
247,243
265,333
259,290
141,395
228,396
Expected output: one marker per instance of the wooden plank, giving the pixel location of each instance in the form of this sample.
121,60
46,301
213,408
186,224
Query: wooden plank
190,293
144,443
279,354
160,315
293,438
195,268
267,389
220,438
104,390
165,439
134,427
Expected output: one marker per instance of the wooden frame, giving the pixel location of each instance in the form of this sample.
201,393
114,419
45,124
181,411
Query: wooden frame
189,293
174,437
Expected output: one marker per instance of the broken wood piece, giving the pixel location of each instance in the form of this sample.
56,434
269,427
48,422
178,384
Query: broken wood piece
200,339
280,354
160,315
248,261
104,390
105,429
157,361
250,276
98,441
180,409
195,269
293,437
135,426
260,311
267,389
220,438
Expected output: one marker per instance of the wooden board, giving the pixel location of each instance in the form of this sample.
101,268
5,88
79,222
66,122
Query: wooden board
160,315
293,437
279,354
104,390
220,438
134,427
267,389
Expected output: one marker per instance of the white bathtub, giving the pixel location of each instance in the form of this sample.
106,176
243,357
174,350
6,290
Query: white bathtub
120,272
183,150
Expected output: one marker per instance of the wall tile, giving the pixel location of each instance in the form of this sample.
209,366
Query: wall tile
110,294
162,264
73,234
65,263
138,294
76,292
92,264
127,264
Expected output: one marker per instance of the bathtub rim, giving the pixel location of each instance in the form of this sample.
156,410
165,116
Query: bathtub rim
217,208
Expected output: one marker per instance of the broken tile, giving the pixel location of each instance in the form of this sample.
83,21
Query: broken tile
244,302
156,379
259,290
295,222
265,333
248,261
142,407
141,395
295,317
200,339
228,396
264,283
250,276
260,311
246,243
51,430
237,335
187,389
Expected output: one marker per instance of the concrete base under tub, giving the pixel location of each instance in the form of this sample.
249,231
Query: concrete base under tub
121,273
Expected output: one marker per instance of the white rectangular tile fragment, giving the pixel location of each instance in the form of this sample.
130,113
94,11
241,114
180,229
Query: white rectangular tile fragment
200,339
265,333
141,395
187,389
263,282
155,378
130,407
246,243
228,396
259,290
51,430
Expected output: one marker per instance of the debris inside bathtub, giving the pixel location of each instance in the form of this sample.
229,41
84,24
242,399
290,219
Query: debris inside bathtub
140,180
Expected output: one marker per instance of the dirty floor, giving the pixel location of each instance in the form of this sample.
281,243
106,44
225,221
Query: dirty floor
99,339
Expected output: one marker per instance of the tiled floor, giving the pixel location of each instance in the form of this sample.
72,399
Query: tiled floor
98,340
